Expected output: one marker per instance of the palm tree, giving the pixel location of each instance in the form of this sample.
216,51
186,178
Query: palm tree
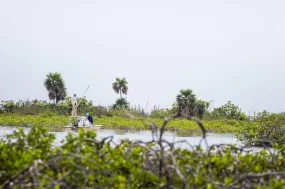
201,108
120,86
55,86
121,103
186,101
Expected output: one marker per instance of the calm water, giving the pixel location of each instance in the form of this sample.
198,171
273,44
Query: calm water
143,136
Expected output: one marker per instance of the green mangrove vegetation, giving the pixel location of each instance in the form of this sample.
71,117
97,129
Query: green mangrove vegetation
125,123
83,161
30,160
264,129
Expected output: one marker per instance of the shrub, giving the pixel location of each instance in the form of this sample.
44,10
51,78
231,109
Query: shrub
263,128
83,161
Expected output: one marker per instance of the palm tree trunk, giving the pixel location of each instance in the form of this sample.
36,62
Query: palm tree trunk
121,94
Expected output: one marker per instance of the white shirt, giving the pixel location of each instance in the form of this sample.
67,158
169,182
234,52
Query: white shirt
83,121
74,101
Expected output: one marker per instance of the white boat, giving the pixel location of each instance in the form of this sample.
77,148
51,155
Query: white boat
82,122
85,128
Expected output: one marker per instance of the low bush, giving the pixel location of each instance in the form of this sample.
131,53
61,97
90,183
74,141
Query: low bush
263,128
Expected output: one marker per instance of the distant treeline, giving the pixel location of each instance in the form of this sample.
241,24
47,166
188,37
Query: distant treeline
34,107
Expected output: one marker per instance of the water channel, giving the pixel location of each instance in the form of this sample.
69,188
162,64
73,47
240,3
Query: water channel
142,136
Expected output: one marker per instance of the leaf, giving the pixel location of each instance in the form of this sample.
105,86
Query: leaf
227,180
209,186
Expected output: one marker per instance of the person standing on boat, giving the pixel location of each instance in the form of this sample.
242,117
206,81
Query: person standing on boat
74,106
90,119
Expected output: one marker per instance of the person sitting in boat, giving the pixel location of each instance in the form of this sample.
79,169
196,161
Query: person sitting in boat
90,119
82,121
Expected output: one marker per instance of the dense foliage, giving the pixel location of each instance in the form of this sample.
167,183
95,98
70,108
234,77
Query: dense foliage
83,161
187,101
121,103
265,127
229,111
115,122
35,107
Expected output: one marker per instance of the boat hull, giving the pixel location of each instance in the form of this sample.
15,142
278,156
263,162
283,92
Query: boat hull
85,128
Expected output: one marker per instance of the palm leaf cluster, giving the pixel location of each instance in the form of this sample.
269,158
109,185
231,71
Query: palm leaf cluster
55,86
120,86
121,103
187,102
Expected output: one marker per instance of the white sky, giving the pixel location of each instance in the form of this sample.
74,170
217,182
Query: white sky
223,49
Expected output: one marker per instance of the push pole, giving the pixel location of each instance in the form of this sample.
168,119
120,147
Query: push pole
83,95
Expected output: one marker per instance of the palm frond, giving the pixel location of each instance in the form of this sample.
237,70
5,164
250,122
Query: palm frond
55,86
121,103
120,85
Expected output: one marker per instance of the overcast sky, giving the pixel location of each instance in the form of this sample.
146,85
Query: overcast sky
223,49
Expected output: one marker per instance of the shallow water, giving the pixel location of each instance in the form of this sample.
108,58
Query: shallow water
143,136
